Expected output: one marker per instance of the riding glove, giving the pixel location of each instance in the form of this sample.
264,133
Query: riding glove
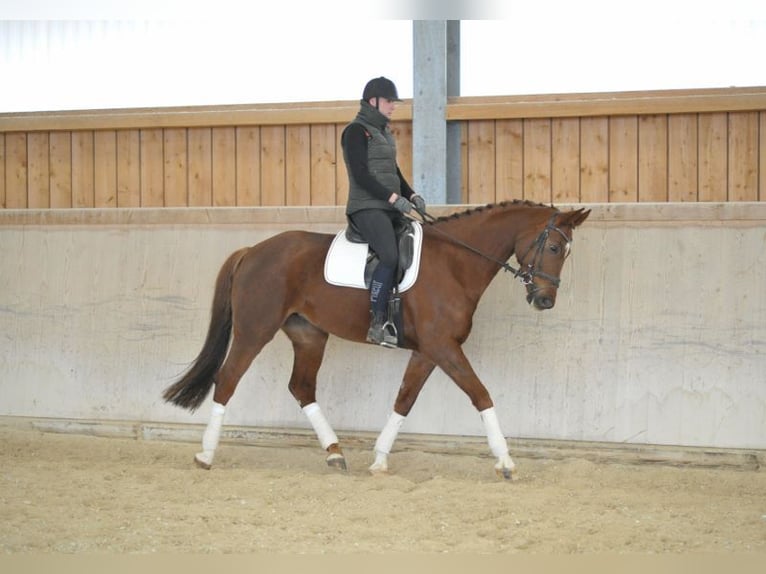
403,204
419,202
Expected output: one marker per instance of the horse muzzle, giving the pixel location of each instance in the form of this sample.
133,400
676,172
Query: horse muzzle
541,298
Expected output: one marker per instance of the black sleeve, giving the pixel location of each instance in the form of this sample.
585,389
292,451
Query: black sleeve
354,140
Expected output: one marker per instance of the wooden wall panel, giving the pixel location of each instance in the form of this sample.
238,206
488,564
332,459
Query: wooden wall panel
298,165
682,157
273,165
200,146
762,157
481,162
152,168
105,168
224,167
60,169
2,171
128,168
403,133
248,142
176,169
38,166
341,174
509,160
16,171
322,180
565,160
743,156
713,152
623,159
537,160
594,160
83,169
653,158
625,148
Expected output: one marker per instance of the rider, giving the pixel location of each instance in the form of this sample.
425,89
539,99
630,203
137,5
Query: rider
379,195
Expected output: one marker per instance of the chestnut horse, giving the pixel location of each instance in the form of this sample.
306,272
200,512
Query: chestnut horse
279,284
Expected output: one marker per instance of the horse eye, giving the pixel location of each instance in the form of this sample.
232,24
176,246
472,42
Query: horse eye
555,248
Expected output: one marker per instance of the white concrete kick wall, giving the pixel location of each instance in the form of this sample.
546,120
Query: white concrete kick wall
658,336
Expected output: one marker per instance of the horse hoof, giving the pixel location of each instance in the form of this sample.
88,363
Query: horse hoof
506,473
337,461
201,463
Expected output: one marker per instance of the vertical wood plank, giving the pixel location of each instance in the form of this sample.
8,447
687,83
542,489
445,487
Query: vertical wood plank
83,172
713,152
105,168
402,132
224,167
299,147
623,159
537,160
464,162
653,158
128,168
200,145
38,184
16,174
762,155
594,160
341,173
248,166
273,165
322,167
2,171
682,157
743,156
60,175
565,160
152,168
509,160
175,157
481,161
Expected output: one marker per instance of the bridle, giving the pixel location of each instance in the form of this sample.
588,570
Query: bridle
527,273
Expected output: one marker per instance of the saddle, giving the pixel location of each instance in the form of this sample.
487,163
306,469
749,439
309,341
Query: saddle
350,263
405,238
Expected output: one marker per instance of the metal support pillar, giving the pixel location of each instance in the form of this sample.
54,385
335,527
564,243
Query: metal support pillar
436,147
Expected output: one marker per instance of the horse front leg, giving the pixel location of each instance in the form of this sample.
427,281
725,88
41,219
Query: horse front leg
415,375
453,362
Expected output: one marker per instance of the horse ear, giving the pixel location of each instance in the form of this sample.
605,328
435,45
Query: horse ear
574,217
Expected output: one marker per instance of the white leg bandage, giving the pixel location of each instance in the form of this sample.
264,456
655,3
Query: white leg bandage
389,433
495,438
212,434
324,431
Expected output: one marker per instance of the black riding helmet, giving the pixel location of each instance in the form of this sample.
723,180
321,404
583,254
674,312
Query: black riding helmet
380,88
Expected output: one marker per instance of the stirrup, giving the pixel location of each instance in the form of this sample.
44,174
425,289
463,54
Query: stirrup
383,334
390,336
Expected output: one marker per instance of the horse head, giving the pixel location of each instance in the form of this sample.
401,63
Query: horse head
541,255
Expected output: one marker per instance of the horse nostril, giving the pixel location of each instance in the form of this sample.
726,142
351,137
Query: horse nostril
544,302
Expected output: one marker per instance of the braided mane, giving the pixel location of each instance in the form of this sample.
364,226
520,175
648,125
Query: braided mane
473,210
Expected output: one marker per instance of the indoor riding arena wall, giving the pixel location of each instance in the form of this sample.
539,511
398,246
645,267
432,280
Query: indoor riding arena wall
658,335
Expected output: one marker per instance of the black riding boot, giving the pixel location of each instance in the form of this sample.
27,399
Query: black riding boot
380,289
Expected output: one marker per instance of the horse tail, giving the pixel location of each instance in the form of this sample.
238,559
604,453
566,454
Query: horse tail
193,387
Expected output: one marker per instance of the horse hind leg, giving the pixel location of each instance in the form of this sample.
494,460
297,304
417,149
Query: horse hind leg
238,360
309,344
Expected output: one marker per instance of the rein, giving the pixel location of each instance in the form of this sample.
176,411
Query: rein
526,276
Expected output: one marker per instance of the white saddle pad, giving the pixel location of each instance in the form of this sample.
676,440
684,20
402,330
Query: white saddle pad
345,261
